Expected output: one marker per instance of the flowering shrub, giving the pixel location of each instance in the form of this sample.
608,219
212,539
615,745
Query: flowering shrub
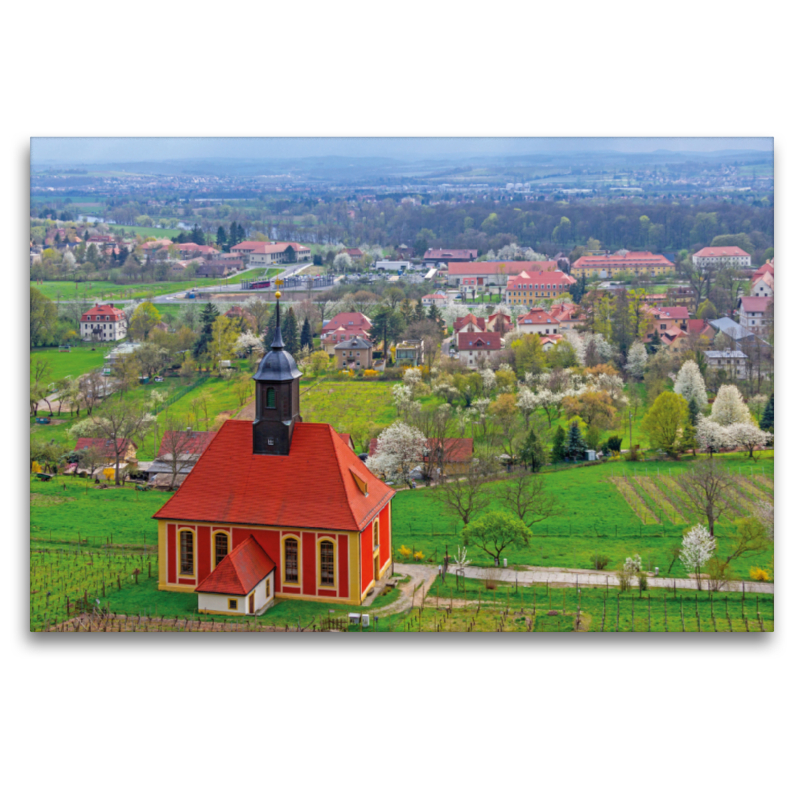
404,551
419,555
371,373
758,574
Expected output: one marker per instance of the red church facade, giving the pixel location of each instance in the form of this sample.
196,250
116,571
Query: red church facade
275,508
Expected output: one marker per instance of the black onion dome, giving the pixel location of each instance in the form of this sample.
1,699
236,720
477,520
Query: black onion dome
277,365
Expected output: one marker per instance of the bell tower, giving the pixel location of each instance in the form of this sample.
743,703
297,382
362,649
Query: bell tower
277,397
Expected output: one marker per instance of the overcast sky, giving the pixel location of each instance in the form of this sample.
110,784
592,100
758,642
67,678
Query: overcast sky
100,150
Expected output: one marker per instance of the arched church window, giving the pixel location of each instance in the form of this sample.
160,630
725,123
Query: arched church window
220,547
326,563
290,561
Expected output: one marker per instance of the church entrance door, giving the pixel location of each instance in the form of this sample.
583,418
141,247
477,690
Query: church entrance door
377,567
252,601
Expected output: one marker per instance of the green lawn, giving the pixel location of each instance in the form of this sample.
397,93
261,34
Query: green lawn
596,519
157,233
105,290
80,360
350,406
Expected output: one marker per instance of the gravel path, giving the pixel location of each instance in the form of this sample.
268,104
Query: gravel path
530,575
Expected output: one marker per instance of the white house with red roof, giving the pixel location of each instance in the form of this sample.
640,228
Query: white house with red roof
469,324
754,314
665,318
762,284
436,299
263,254
529,288
275,500
474,347
499,323
721,257
567,315
103,323
537,320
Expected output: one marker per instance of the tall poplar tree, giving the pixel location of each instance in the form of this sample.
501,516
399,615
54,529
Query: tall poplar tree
306,336
291,338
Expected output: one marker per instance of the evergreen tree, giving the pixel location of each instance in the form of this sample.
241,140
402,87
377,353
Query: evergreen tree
306,336
207,317
222,238
694,410
558,445
532,451
198,237
768,416
576,446
239,233
232,240
291,338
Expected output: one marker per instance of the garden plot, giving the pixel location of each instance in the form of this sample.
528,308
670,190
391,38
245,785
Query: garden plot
638,506
650,487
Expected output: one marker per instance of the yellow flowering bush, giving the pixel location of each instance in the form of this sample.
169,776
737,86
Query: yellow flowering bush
35,467
404,551
371,373
758,574
419,555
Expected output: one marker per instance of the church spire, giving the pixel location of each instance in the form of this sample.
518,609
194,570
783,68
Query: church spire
277,340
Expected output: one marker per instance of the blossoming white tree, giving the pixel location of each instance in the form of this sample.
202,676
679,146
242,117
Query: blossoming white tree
489,380
248,343
527,403
690,384
399,449
748,436
711,436
342,263
637,360
411,377
729,407
696,550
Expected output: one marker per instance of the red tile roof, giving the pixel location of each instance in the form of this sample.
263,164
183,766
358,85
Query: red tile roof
699,327
310,488
351,321
478,322
103,310
769,267
751,304
479,340
623,260
721,252
240,571
537,316
531,279
104,446
345,437
501,267
191,442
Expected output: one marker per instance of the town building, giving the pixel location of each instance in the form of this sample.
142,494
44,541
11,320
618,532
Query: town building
732,362
755,314
493,273
177,455
437,299
721,257
474,347
263,254
218,267
103,323
539,321
469,324
276,508
342,327
354,353
567,315
499,323
105,448
409,353
763,285
610,264
664,318
529,288
439,255
392,266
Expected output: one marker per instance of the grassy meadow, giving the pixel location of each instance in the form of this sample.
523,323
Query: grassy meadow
80,360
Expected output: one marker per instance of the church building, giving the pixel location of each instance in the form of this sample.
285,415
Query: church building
275,508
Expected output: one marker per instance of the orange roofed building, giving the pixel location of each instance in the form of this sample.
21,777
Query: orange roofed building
275,508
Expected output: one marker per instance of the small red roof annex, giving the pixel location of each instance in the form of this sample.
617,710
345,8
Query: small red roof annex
240,571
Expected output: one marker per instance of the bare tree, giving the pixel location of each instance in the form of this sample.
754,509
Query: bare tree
432,422
176,449
123,420
708,489
526,496
466,496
